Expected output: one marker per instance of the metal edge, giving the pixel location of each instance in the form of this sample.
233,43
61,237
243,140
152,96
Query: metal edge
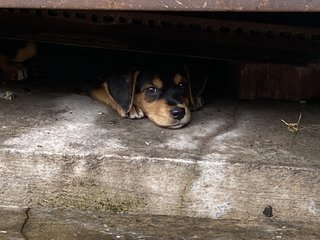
170,5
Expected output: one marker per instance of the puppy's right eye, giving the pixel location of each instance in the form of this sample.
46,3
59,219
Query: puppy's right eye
152,90
182,85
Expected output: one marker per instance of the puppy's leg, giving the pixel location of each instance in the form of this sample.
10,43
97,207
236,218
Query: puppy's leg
103,95
135,112
197,103
12,69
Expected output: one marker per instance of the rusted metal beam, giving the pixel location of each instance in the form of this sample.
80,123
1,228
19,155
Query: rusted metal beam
169,5
163,33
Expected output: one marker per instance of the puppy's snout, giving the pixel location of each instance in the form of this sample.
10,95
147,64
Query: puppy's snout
178,113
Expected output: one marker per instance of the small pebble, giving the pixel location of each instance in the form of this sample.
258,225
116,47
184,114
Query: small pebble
268,211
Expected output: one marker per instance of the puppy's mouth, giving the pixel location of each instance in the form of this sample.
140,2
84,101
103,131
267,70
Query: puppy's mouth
180,123
176,125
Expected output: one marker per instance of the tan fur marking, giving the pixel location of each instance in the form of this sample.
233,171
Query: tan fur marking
103,95
27,52
177,79
159,111
157,83
187,101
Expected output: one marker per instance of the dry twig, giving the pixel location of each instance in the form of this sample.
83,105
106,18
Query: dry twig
293,127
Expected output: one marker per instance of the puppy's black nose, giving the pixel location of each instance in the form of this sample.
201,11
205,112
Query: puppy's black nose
178,113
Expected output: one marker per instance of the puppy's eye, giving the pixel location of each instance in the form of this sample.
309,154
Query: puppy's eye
152,90
182,85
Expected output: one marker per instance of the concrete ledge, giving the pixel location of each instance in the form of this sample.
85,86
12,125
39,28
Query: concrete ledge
64,151
42,224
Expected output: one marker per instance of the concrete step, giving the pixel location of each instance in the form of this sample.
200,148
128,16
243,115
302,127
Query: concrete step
38,223
61,151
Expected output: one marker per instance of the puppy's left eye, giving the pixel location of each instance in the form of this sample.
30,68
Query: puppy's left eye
152,90
182,85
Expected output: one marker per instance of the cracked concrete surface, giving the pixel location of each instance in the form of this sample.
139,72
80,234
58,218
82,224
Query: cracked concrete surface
77,225
65,152
13,219
27,217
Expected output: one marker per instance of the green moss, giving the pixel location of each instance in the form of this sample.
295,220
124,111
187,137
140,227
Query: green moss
112,205
116,206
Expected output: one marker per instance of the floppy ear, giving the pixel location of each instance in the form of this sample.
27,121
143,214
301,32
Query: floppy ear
197,83
118,91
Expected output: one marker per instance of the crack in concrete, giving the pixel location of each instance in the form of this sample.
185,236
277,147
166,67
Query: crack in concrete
25,223
194,173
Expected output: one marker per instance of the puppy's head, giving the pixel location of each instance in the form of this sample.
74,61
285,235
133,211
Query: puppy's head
163,95
161,92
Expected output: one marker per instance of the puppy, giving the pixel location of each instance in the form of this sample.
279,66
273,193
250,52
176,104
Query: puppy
12,55
160,93
159,90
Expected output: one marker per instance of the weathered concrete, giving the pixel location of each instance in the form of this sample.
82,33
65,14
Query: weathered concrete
12,222
66,151
80,225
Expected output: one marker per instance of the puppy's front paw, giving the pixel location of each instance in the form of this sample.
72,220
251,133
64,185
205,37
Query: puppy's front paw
135,113
13,70
198,103
16,72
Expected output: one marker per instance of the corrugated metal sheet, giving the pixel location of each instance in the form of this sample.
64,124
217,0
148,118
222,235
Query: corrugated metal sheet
163,33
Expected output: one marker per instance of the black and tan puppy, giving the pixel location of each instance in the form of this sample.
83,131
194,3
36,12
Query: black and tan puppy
159,90
160,93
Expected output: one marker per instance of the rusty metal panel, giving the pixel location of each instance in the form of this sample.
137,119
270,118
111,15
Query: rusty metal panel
277,81
169,5
164,33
